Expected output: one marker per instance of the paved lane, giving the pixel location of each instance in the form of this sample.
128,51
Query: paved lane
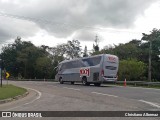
50,96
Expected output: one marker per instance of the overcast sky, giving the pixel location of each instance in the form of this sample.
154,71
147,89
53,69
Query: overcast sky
51,22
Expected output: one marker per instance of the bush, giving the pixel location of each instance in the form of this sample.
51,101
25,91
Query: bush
132,70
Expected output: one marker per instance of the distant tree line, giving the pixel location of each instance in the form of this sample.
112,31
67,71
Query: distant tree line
24,60
134,57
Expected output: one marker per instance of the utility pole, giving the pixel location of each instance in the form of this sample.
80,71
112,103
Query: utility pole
96,47
150,61
1,75
96,40
1,61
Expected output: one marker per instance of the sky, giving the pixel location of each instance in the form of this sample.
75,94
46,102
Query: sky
52,22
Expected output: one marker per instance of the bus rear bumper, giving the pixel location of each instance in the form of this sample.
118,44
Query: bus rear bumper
109,80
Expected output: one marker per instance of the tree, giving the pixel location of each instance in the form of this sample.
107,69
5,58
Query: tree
20,59
43,67
9,54
73,49
152,37
59,50
125,51
27,59
85,54
57,55
132,70
96,46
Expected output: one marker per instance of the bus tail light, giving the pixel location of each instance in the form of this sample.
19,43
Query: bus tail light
117,77
102,72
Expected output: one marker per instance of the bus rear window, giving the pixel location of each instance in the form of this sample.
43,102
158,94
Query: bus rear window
92,61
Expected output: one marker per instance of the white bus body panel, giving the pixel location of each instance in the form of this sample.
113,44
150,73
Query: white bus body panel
108,64
110,67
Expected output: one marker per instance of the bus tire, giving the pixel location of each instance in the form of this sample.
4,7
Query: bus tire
72,83
60,80
84,81
97,84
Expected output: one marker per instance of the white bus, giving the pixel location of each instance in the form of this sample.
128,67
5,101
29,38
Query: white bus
94,69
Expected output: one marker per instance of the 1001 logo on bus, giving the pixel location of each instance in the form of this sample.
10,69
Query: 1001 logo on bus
85,72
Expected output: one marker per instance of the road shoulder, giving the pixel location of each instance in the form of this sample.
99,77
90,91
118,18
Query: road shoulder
29,96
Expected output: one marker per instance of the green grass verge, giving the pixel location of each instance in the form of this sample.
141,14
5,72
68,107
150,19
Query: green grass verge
10,91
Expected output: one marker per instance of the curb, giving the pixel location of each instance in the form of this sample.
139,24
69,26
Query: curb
14,98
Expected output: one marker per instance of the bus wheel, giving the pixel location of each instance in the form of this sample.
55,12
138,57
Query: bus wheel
60,81
97,84
84,81
72,83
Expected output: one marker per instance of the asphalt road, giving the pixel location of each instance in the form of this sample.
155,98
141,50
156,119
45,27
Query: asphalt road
52,96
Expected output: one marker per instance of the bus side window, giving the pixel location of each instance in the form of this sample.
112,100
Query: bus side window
87,62
96,60
63,66
81,64
92,61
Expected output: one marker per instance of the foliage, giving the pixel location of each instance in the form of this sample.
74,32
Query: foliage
24,59
131,70
43,67
96,48
85,54
154,38
129,50
20,59
73,49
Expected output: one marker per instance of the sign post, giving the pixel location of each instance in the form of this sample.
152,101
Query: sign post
1,75
7,76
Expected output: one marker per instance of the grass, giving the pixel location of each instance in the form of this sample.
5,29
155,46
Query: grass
10,91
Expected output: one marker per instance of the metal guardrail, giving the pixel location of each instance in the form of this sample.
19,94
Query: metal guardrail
51,80
136,83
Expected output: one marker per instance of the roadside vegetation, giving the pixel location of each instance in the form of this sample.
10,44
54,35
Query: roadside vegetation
10,91
24,60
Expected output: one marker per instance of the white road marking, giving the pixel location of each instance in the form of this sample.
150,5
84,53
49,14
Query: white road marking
150,103
71,88
104,94
52,86
38,97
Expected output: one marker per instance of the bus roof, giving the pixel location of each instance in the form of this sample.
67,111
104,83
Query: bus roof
84,58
